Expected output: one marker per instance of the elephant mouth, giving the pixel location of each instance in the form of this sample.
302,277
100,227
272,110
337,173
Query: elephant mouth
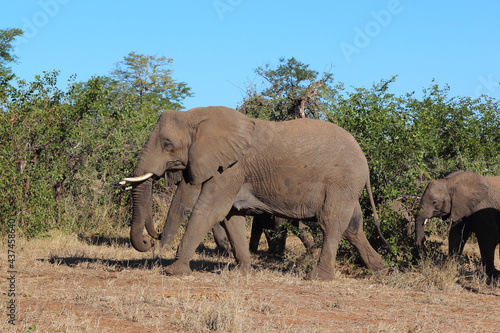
175,165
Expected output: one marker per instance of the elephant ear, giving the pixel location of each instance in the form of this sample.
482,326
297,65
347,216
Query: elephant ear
221,137
468,189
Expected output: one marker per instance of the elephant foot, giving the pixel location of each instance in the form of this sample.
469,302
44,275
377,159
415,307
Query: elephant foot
244,268
178,268
381,272
494,277
379,268
320,274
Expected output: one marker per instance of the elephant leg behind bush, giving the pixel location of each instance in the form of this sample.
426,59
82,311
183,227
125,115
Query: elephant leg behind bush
356,236
259,223
275,230
310,242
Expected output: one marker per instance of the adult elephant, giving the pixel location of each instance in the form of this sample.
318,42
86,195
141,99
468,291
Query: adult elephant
300,169
472,202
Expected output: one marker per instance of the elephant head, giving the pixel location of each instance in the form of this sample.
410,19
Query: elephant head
194,145
455,196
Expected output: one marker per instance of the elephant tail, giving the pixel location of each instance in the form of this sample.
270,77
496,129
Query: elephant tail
375,214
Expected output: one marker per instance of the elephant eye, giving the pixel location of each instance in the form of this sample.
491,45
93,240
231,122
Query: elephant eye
167,145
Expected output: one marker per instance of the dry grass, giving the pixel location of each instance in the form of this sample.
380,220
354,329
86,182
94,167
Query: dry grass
67,284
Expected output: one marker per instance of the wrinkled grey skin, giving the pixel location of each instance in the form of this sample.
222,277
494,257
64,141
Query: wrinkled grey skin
301,169
470,200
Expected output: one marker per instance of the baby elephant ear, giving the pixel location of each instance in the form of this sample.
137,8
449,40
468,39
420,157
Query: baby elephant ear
468,190
222,136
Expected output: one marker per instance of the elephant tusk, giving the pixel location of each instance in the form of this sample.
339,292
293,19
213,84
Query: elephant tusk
136,179
425,221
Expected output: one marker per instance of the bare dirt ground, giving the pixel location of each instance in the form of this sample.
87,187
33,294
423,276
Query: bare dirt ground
71,284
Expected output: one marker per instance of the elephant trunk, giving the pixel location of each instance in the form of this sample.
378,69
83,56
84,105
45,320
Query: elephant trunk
142,215
420,232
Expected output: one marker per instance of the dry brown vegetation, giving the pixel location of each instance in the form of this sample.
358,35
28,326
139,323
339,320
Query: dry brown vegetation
67,283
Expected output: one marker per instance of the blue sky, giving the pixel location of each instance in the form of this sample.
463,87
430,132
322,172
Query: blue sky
216,44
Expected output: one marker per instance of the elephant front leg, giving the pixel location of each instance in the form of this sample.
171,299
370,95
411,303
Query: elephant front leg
197,227
182,204
460,232
209,210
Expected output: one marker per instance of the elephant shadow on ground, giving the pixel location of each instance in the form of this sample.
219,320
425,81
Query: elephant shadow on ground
204,264
99,240
148,264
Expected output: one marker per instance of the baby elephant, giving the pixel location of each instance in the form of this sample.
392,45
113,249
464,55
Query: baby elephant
472,202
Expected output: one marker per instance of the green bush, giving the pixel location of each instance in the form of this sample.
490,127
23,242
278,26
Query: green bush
64,152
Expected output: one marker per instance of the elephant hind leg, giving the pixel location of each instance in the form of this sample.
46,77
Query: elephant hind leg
258,224
356,236
333,220
235,227
276,236
221,239
304,233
